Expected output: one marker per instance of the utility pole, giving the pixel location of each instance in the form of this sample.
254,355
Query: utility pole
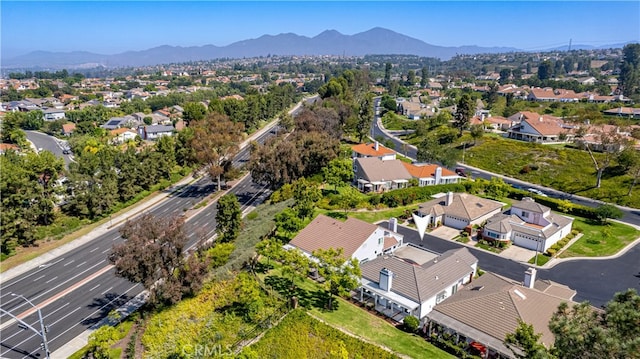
43,329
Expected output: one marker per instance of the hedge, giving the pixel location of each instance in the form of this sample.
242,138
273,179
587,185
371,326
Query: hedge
406,196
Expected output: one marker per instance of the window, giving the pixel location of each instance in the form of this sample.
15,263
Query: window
441,296
525,214
380,240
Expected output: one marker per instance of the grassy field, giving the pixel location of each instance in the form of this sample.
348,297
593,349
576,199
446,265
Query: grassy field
359,322
565,169
394,122
600,241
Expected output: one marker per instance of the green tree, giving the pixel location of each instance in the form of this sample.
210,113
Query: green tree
411,78
228,218
306,195
505,75
424,77
581,331
629,77
365,117
338,172
477,131
387,74
270,248
464,110
193,111
525,339
295,266
545,70
606,211
341,275
288,221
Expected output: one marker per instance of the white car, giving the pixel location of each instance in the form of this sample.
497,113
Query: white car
537,191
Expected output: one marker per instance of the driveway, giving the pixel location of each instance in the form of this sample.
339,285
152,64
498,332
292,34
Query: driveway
595,280
445,232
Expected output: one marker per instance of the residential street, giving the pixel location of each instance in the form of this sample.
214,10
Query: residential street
595,280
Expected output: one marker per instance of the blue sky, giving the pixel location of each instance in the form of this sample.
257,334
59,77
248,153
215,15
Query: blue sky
117,26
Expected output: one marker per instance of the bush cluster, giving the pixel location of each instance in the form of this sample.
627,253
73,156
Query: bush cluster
406,196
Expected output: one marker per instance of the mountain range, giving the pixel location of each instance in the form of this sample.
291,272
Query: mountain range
330,42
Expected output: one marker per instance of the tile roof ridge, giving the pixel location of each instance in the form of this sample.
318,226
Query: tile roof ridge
415,278
511,292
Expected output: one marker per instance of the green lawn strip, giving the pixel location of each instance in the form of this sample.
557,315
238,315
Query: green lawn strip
542,259
598,240
373,216
114,353
357,321
394,122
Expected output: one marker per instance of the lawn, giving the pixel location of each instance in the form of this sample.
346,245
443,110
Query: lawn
356,320
565,169
542,259
600,241
395,122
359,322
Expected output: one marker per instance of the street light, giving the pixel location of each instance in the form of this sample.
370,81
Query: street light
539,237
43,329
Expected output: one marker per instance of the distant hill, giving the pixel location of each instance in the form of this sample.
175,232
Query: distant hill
330,42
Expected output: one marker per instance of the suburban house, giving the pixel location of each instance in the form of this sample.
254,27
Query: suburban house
358,239
4,147
414,109
52,114
377,175
68,128
399,285
534,127
430,174
482,314
122,135
629,112
154,132
605,138
364,150
550,95
118,122
456,210
528,225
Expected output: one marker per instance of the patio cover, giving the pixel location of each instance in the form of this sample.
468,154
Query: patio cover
470,332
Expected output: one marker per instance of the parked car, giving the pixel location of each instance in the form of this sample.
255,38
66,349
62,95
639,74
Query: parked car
460,171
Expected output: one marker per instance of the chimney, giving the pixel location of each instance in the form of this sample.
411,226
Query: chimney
377,146
449,199
386,277
530,277
393,224
438,175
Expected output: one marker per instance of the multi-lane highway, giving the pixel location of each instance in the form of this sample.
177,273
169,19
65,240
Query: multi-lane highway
79,288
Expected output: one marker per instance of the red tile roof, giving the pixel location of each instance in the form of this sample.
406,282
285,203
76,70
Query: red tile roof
369,149
426,171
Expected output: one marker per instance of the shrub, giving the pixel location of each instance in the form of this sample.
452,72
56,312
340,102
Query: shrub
551,252
526,169
411,323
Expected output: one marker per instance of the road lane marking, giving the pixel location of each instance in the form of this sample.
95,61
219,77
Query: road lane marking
81,264
96,286
106,250
69,262
40,277
42,267
61,294
35,322
108,289
51,280
93,250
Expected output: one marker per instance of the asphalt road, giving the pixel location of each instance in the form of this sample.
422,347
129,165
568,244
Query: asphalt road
78,289
44,142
